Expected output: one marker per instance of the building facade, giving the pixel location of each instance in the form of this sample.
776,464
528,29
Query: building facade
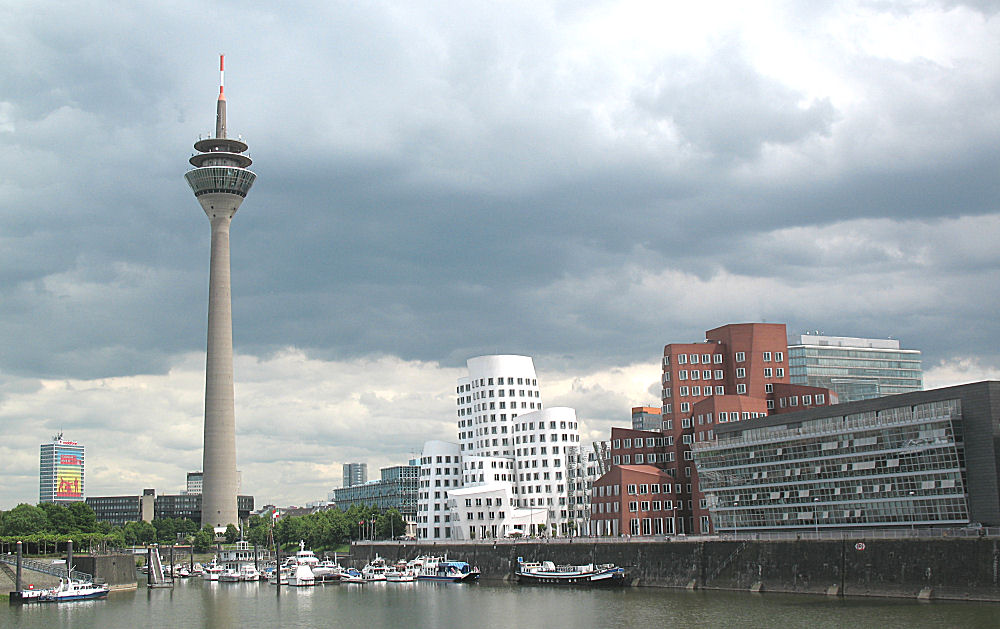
912,460
61,471
509,449
854,368
118,510
355,474
396,489
647,418
740,372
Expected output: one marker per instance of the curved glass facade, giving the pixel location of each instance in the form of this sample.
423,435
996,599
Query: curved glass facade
224,179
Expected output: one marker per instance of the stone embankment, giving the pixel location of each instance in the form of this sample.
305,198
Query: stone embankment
962,569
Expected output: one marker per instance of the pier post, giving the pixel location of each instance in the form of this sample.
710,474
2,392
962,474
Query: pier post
277,565
17,577
191,561
69,559
171,564
149,566
256,563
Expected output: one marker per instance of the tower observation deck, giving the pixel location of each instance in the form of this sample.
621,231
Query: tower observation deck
220,181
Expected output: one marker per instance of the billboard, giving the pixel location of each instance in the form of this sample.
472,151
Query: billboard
69,472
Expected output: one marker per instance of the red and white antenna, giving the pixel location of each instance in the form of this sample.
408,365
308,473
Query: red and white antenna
222,76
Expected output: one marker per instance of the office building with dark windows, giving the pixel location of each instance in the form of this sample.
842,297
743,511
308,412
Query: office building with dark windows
922,459
397,489
854,368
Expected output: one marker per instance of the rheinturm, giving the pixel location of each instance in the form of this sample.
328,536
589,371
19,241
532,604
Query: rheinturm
220,181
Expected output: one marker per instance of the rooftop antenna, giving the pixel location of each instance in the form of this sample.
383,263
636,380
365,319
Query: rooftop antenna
220,115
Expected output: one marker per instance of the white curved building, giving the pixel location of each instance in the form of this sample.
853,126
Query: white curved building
517,459
440,472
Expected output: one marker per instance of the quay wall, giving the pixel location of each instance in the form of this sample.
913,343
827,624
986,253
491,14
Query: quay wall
962,569
118,571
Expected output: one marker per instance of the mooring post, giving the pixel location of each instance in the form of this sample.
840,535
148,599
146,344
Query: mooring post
256,562
17,578
69,559
149,566
277,565
171,563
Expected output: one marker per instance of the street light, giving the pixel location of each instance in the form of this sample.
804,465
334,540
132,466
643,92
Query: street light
913,526
816,516
736,526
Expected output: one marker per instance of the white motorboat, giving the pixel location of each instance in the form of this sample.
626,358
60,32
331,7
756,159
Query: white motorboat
71,590
230,575
301,574
249,573
212,572
375,570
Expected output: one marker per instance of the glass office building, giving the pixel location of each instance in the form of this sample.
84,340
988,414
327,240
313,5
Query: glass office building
916,460
854,368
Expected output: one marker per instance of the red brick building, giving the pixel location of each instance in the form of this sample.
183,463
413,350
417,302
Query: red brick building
739,373
634,500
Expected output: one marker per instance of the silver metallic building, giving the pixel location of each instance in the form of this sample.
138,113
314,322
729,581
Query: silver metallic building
919,459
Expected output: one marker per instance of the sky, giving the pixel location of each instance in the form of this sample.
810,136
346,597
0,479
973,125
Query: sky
581,182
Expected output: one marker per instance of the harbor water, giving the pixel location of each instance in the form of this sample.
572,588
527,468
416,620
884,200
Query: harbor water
196,603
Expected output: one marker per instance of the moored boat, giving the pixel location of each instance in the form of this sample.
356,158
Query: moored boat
588,574
443,569
72,590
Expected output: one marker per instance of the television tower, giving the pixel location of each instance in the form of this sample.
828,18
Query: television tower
220,181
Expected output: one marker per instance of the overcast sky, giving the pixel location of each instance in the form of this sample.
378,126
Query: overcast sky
581,182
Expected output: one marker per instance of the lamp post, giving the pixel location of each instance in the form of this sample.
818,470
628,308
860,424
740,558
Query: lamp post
816,516
736,526
913,527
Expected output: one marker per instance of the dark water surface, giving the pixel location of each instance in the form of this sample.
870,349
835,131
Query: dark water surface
198,604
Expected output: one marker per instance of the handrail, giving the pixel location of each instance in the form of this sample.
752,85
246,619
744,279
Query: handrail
46,568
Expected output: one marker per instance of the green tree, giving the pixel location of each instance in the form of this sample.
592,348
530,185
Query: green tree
391,524
25,519
83,517
232,533
58,518
203,539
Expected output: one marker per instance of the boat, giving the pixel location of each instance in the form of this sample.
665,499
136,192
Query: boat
327,571
73,590
351,575
374,570
300,567
230,575
249,573
394,575
278,573
212,571
443,569
589,574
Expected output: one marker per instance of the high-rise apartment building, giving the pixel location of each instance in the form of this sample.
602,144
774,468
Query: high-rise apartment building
220,181
854,368
355,474
61,471
519,466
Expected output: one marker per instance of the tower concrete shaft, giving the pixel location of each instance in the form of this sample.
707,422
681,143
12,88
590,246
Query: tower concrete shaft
220,181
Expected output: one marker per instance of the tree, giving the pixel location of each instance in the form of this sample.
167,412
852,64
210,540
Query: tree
203,539
232,533
58,518
25,519
391,524
83,518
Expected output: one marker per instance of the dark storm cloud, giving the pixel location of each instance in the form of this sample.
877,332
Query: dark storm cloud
441,181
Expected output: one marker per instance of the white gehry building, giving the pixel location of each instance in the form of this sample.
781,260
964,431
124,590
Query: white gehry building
520,463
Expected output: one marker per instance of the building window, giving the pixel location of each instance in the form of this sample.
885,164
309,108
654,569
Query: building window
694,359
741,372
718,359
820,398
741,389
720,390
767,357
767,372
706,375
685,422
682,359
780,372
684,391
718,374
631,490
807,400
770,405
682,374
768,388
740,356
685,407
778,357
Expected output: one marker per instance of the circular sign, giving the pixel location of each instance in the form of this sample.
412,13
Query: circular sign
859,546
